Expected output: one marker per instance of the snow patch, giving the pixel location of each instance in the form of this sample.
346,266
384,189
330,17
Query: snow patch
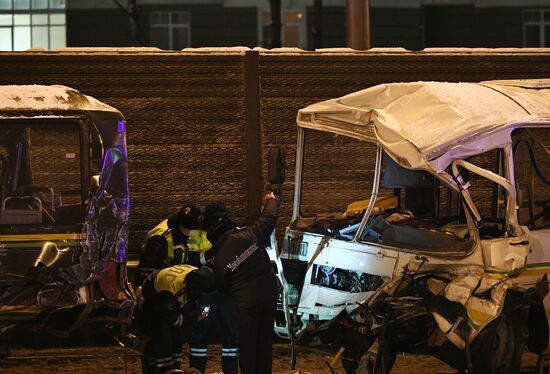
43,98
110,50
217,50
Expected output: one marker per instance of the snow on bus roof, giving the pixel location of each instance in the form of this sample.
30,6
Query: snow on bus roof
424,120
47,98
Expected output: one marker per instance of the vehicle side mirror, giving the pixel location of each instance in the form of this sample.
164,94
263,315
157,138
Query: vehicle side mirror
276,166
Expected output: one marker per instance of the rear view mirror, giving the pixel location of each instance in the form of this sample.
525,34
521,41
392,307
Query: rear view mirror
276,166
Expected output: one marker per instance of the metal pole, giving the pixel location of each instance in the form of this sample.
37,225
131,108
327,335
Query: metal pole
253,136
351,24
317,29
275,23
373,195
300,138
358,24
366,24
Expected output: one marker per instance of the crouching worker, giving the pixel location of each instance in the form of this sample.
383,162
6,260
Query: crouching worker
164,294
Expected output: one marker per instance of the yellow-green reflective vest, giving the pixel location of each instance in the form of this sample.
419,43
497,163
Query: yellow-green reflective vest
162,230
172,279
198,242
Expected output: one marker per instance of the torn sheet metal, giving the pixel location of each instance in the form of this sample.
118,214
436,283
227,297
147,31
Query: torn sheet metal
106,226
460,289
459,296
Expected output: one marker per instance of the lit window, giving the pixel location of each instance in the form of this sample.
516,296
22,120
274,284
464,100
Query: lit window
536,28
171,30
28,24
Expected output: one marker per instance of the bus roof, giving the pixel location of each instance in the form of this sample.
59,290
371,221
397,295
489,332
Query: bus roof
418,122
47,98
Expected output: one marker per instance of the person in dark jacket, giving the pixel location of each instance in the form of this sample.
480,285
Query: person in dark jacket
215,309
167,243
242,268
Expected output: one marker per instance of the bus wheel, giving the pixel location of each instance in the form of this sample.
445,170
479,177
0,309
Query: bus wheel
494,350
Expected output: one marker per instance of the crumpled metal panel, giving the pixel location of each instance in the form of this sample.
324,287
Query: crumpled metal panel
43,269
106,227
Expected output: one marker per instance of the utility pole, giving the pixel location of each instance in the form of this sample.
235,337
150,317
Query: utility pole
358,24
131,9
317,28
275,6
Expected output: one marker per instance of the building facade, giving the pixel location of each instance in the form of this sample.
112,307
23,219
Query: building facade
178,24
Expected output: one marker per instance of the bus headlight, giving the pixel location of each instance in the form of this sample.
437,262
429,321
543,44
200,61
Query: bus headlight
293,296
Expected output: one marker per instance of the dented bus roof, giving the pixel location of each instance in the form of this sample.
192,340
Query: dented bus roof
47,98
428,124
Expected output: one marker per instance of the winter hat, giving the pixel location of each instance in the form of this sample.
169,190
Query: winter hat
189,216
216,231
214,213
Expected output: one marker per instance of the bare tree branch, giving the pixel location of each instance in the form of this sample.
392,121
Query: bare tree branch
125,9
131,9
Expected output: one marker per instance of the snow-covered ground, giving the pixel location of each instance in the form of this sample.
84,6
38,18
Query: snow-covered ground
115,359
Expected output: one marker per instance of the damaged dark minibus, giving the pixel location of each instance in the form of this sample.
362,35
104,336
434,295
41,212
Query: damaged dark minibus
64,208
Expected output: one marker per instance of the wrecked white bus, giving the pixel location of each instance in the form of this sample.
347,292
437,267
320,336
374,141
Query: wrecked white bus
421,221
64,208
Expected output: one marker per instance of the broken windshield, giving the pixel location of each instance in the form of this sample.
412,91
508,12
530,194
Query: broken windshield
412,209
40,169
337,178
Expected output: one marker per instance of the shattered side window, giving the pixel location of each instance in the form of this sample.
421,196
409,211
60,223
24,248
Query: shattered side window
427,216
489,198
532,173
41,174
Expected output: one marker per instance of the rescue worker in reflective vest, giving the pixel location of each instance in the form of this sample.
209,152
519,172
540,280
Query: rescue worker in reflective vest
215,308
164,293
197,248
242,268
167,243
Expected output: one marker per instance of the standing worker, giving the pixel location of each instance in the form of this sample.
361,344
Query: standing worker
242,268
214,307
166,244
164,293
